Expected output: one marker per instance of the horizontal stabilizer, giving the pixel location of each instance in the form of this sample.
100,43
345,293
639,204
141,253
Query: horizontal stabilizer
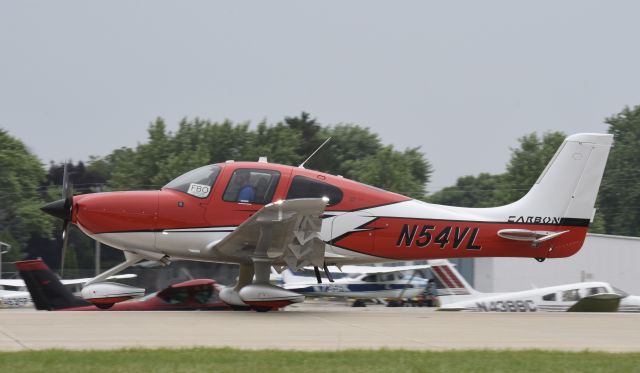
352,269
535,237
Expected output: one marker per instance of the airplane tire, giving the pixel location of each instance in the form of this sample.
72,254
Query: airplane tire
262,309
104,306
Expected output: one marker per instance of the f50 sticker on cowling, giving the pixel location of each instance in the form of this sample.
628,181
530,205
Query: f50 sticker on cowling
507,306
199,190
535,219
427,235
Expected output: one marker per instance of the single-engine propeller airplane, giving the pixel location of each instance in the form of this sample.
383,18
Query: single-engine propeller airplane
362,282
259,215
49,293
458,295
14,293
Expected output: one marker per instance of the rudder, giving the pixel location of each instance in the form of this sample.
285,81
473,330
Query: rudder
46,290
568,186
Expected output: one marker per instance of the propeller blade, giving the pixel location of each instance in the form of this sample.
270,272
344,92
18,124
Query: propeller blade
65,180
317,271
326,272
65,241
67,189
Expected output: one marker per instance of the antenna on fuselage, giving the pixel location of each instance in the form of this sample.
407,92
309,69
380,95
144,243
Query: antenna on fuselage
314,153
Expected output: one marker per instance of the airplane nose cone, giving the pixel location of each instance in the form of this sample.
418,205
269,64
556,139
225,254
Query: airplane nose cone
57,209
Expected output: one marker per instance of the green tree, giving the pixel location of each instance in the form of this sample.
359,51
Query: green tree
471,191
525,166
349,143
527,163
309,130
198,142
392,170
21,173
619,197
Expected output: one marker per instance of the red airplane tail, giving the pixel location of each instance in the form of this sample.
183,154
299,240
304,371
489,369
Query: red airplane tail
452,281
46,290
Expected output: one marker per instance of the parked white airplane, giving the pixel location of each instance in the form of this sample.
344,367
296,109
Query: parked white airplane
458,295
10,298
361,282
14,294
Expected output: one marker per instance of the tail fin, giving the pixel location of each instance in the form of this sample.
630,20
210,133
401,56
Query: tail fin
45,288
568,186
450,278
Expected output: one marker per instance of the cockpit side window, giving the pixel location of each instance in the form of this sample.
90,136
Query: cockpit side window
388,277
202,293
197,183
369,278
175,296
249,185
549,297
304,187
596,290
570,295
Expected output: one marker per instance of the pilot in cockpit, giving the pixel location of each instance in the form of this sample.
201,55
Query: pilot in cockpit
246,193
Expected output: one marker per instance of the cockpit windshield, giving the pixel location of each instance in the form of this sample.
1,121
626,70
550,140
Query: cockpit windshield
196,182
622,293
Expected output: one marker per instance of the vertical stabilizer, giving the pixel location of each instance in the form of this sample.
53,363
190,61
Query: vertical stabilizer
452,281
47,291
568,186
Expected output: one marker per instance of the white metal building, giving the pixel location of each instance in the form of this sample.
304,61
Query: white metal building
612,259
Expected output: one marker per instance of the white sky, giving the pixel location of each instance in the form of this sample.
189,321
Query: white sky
462,79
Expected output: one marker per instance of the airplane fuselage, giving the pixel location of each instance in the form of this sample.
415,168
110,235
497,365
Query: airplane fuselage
554,298
364,225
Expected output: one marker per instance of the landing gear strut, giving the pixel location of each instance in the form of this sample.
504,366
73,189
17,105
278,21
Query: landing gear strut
258,293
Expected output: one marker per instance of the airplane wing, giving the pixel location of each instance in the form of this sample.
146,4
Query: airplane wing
12,282
72,281
379,269
286,231
603,302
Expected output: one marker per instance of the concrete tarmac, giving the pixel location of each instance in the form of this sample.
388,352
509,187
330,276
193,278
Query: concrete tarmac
313,327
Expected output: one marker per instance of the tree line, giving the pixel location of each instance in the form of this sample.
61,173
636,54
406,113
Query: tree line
354,152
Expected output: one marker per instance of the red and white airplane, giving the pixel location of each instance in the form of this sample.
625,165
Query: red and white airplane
259,215
49,293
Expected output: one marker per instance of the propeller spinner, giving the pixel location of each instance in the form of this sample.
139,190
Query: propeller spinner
62,209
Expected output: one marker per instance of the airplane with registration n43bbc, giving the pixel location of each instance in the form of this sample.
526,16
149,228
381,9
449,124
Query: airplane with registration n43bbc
595,296
261,215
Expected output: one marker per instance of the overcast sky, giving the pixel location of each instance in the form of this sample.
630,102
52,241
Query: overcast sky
461,79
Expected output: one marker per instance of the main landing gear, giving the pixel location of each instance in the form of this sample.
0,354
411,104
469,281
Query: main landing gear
258,293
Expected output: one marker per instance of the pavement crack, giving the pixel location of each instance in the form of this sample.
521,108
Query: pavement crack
16,340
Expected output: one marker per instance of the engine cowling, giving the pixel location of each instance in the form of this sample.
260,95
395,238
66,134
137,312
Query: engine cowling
105,294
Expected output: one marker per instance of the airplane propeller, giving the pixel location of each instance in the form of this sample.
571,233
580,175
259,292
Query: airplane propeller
62,209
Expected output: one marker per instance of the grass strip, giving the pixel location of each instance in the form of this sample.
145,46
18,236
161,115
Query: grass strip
352,361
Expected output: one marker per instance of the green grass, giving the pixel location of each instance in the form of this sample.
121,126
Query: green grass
351,361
